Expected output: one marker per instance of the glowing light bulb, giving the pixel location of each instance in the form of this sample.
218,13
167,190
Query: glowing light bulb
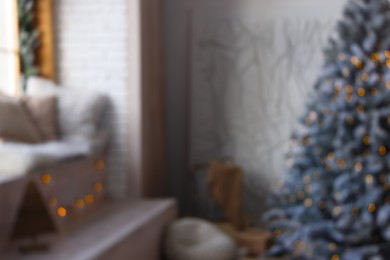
369,179
375,57
335,257
332,246
308,203
89,198
337,210
365,77
46,178
358,166
99,165
98,187
61,212
382,150
361,92
371,208
366,140
79,203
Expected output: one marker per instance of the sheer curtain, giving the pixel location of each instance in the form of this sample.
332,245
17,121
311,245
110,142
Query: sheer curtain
9,57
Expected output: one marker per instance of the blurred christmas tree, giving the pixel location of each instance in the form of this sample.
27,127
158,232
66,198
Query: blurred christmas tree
334,203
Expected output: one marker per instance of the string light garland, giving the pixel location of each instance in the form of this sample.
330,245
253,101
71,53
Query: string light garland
79,203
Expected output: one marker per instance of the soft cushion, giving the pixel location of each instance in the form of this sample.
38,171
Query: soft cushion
18,158
196,239
43,110
15,123
79,110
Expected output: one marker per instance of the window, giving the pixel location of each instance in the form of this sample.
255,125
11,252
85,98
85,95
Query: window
9,57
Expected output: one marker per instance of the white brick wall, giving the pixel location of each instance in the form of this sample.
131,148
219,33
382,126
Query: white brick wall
92,44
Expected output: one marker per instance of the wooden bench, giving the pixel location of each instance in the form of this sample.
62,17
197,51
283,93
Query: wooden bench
128,230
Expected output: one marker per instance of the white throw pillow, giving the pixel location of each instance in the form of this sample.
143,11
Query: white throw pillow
79,110
197,239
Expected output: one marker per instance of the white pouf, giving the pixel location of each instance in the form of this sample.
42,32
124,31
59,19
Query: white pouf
196,239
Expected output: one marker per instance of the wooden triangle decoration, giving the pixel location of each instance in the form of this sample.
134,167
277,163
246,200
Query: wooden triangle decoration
33,218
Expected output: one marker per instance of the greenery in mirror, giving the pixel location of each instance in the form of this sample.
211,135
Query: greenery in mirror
28,40
334,201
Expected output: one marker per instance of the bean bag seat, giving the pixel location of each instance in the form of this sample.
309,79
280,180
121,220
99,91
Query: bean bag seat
197,239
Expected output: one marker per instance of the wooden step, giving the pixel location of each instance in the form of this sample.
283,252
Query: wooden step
115,231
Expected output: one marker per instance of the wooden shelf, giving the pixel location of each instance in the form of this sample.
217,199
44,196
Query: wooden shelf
115,231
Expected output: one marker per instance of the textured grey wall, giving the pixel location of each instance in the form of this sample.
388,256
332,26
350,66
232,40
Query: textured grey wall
250,64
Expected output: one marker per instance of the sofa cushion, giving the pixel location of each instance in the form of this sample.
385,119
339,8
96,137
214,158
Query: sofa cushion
43,110
79,110
18,158
15,123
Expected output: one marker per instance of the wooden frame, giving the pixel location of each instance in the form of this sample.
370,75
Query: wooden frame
45,55
147,176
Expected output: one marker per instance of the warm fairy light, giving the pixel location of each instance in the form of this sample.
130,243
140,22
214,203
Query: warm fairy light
361,92
335,257
345,72
358,166
308,203
388,63
365,77
337,88
350,120
98,187
341,163
46,178
371,208
388,84
337,210
53,202
366,140
349,89
375,57
341,56
79,203
61,212
382,150
360,108
89,198
355,61
332,246
99,165
369,179
374,91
